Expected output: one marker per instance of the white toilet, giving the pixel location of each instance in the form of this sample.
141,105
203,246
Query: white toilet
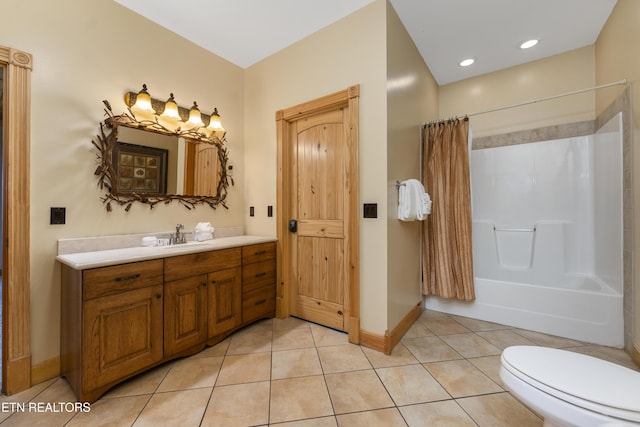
572,389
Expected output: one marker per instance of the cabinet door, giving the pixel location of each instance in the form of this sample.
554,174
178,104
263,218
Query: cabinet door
224,300
185,314
122,335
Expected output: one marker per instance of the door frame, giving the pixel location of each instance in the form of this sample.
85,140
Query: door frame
348,98
16,338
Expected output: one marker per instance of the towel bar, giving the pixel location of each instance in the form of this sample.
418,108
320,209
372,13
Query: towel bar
400,184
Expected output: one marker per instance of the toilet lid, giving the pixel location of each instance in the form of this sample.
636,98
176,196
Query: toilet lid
585,381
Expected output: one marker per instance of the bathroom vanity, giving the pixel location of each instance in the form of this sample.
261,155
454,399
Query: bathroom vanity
127,310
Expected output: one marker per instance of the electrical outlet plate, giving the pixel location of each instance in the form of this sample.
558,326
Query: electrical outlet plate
58,215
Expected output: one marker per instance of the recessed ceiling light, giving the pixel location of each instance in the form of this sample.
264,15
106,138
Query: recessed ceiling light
528,44
467,62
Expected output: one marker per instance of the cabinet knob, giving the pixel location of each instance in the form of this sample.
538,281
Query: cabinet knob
158,295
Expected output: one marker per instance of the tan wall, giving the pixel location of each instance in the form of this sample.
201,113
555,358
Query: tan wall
348,52
617,58
412,99
85,52
557,74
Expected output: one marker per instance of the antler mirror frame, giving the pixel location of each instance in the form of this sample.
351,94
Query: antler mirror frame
107,140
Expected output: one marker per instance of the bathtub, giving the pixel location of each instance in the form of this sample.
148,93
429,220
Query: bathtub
585,309
547,238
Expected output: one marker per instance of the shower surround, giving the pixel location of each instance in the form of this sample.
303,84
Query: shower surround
548,236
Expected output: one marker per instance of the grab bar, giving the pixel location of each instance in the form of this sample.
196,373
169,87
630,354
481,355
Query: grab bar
530,230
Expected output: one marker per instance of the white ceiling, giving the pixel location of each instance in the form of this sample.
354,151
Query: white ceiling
445,31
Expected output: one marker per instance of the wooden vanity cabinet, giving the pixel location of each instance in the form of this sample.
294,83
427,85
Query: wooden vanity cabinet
121,320
111,324
258,281
204,309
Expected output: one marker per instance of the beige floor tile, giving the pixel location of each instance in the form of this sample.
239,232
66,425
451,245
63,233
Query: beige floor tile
244,368
146,383
295,363
342,358
471,345
299,398
382,417
192,373
418,329
219,349
259,326
399,356
490,366
499,410
430,349
477,325
357,391
176,408
23,397
313,422
427,314
289,323
411,384
326,336
38,413
547,340
238,405
446,413
289,339
111,412
505,338
444,326
251,342
460,378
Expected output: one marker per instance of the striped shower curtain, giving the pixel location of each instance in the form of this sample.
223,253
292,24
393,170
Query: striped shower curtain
448,256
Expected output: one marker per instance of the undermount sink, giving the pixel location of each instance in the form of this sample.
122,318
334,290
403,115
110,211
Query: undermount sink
182,245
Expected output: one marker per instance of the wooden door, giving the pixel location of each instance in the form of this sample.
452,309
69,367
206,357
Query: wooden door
318,143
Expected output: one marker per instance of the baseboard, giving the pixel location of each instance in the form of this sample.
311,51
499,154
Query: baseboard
635,355
374,341
398,332
385,343
46,370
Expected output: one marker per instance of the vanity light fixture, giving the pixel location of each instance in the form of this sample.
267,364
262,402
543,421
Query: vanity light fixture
195,117
467,62
171,109
168,117
215,124
529,43
143,100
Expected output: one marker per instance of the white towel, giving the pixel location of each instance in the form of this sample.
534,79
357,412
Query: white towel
413,202
204,231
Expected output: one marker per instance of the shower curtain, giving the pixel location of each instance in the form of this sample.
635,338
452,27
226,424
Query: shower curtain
448,258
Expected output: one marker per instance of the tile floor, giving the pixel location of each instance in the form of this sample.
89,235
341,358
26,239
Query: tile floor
293,373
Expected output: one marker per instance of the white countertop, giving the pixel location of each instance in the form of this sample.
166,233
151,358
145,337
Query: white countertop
85,260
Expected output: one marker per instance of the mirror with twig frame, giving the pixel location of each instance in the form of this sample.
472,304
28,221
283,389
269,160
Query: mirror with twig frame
146,162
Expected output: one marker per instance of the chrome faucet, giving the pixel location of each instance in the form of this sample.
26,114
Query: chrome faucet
179,237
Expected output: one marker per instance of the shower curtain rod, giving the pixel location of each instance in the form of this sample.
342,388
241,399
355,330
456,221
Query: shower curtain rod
533,101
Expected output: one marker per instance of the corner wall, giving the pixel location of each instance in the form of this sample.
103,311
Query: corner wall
348,52
412,99
617,58
85,52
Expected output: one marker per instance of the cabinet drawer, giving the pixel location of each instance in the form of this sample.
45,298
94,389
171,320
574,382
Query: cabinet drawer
259,252
258,303
181,266
103,281
258,274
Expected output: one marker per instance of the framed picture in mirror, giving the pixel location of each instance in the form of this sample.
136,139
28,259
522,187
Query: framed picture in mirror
140,169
